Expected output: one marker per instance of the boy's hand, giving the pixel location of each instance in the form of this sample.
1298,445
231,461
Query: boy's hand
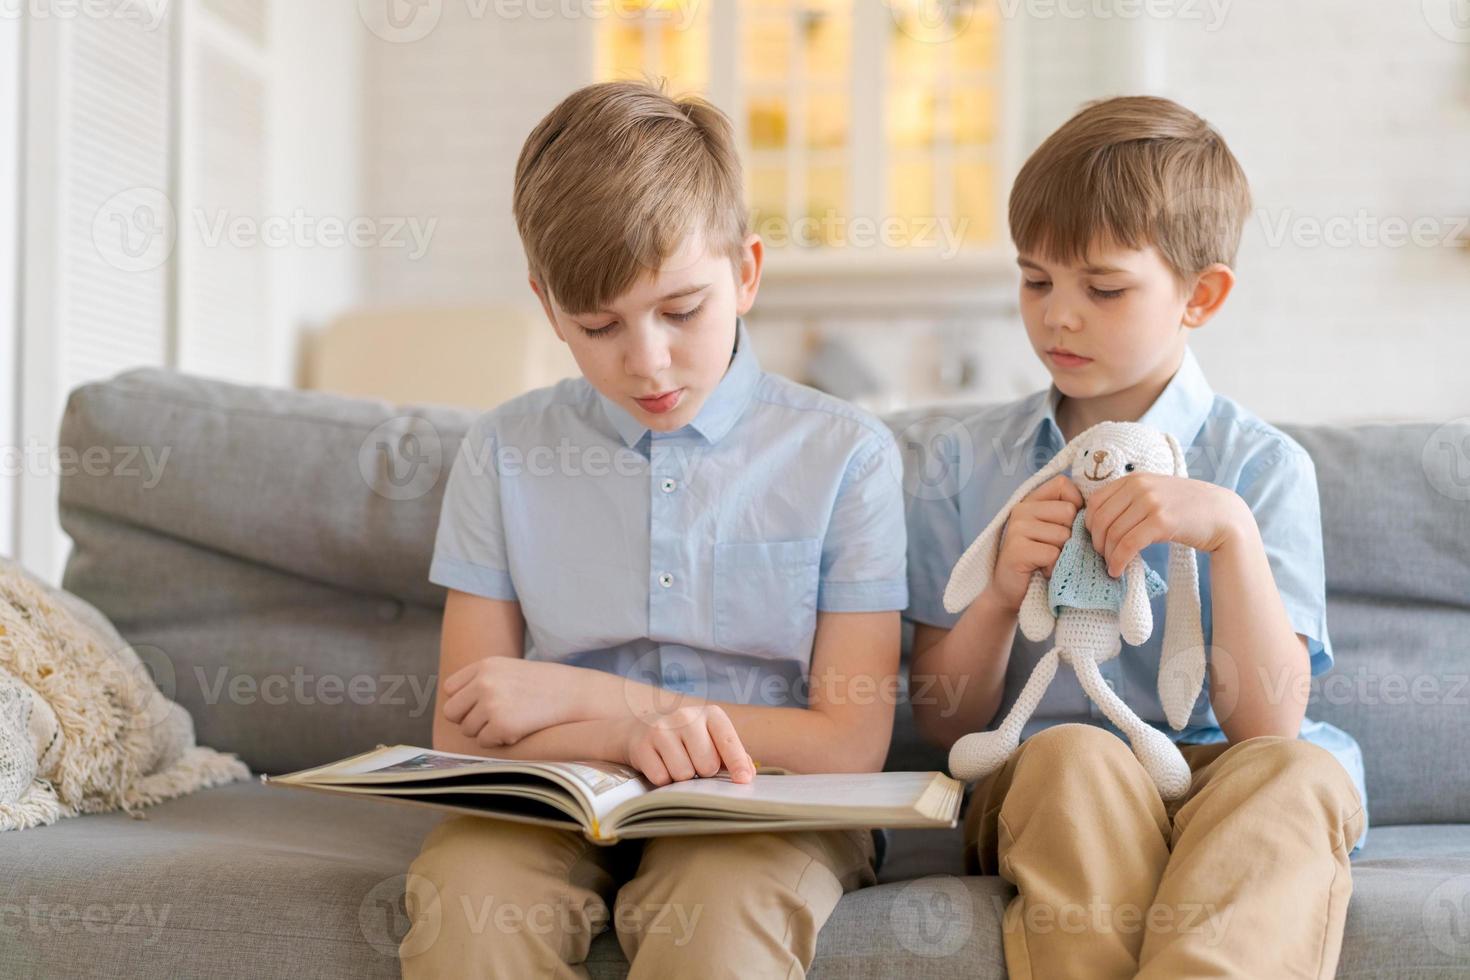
1127,515
1034,534
684,743
500,700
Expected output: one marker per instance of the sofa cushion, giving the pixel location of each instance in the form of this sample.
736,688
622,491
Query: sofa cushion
1396,538
250,880
239,880
271,563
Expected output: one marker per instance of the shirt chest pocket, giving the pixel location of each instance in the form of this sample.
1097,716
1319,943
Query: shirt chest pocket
765,598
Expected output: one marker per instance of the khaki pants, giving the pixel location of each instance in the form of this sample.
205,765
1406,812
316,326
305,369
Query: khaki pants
495,899
1246,876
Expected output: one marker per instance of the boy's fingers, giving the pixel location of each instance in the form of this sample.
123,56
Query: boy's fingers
1049,531
701,749
1129,522
456,706
461,677
1103,510
1059,487
676,759
1102,494
1061,512
473,722
647,761
732,750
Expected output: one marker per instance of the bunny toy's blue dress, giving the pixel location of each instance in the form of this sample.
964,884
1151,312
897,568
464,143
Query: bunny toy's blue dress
1080,577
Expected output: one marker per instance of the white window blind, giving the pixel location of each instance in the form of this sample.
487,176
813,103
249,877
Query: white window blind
146,195
97,228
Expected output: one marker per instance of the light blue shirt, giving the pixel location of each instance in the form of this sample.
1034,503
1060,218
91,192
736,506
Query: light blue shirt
982,458
696,560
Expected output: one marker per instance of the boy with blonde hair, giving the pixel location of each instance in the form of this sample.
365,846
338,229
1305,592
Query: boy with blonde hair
704,562
1127,221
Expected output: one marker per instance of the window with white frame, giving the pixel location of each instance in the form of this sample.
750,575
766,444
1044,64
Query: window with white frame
861,122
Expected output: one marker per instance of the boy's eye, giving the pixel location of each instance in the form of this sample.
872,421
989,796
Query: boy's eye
687,315
1106,293
601,331
1037,284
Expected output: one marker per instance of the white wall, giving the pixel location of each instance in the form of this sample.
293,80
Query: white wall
1339,110
445,116
318,159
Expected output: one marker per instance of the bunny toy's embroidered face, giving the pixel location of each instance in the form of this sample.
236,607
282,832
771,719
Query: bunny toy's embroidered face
1113,451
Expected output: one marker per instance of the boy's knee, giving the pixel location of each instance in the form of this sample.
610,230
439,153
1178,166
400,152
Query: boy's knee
481,884
1300,767
1076,748
464,850
680,906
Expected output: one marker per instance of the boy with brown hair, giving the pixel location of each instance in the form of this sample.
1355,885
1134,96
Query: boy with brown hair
1127,220
675,516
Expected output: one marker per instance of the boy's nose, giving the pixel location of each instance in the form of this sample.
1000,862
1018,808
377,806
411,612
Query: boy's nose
647,355
1060,317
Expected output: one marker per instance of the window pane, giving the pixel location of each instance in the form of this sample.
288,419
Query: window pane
974,198
767,194
910,116
765,117
911,189
765,51
684,52
826,189
929,24
620,51
827,36
976,44
826,125
912,57
973,116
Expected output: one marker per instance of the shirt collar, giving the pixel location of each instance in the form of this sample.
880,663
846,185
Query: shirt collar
720,411
1180,409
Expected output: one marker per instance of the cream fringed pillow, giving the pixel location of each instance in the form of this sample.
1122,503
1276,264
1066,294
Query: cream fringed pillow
83,728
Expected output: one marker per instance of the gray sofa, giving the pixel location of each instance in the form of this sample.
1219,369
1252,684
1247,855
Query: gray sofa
274,577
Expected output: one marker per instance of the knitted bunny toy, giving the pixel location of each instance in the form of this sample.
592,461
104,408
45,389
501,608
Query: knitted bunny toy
1092,612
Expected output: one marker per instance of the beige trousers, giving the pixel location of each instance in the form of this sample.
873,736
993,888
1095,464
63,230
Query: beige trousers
495,899
1247,875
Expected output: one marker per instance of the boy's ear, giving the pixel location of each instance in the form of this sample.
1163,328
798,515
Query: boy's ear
545,299
1211,287
748,280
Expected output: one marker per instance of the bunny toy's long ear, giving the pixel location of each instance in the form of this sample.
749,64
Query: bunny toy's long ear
973,571
1182,662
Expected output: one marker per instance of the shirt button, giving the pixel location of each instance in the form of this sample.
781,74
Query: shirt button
666,580
668,485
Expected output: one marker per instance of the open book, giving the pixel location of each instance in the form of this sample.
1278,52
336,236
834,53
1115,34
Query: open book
607,801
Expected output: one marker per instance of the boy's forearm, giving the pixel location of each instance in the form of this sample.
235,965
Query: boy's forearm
795,738
602,739
969,665
1259,672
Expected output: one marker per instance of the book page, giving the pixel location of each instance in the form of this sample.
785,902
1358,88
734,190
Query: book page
885,799
600,786
830,792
